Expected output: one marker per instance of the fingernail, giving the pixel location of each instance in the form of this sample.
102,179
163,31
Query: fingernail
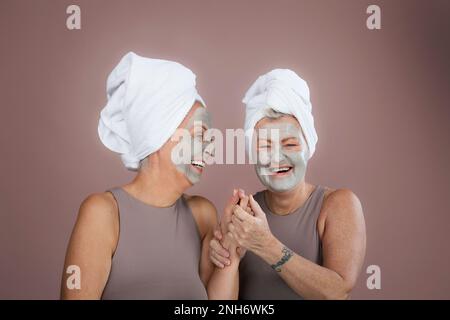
234,192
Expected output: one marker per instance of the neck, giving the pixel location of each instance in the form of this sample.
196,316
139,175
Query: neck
286,202
152,187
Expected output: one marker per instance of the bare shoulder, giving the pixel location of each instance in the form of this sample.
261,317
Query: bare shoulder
204,212
98,217
340,198
98,206
340,204
200,204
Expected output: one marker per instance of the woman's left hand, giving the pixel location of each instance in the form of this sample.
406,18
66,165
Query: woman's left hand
250,232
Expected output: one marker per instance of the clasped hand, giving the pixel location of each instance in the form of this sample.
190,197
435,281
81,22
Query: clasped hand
243,226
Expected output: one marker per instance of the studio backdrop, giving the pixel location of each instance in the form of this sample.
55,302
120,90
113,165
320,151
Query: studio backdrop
380,97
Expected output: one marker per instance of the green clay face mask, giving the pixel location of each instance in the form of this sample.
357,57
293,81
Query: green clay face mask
281,167
192,147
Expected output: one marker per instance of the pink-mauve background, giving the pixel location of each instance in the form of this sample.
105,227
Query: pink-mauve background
380,101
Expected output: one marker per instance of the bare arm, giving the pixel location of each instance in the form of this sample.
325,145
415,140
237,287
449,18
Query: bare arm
222,283
343,241
91,246
205,216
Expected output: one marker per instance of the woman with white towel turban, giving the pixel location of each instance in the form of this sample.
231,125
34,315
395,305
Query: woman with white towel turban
147,239
302,240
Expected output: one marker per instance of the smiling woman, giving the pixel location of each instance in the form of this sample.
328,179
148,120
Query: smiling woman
187,155
282,151
303,241
147,239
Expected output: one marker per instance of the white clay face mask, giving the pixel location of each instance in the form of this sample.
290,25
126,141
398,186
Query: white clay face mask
191,163
279,167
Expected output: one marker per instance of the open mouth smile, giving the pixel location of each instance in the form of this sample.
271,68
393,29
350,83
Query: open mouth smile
280,171
198,165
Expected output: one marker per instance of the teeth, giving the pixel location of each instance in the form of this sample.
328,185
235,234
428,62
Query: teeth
199,164
284,169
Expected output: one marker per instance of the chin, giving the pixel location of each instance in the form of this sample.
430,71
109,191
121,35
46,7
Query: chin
184,182
280,189
193,180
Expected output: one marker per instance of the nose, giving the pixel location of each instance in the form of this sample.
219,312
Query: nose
277,156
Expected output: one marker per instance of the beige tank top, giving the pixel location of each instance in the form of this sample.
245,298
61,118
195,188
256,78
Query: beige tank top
158,253
297,231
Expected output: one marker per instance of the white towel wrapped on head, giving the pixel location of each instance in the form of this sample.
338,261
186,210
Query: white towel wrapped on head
147,101
284,91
